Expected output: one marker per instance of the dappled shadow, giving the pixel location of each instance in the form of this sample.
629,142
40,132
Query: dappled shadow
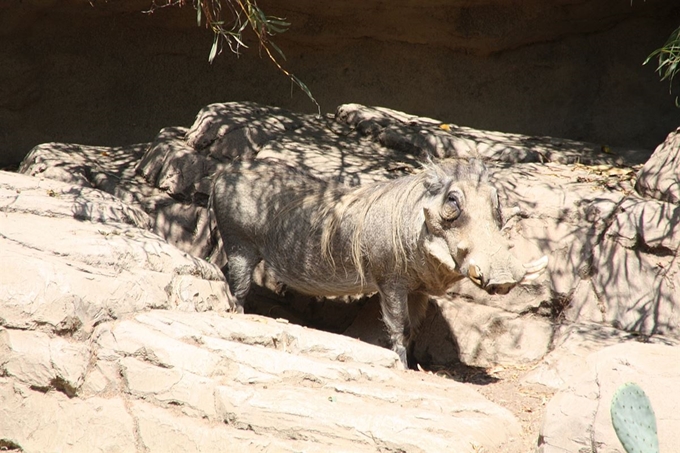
637,283
607,264
460,372
613,253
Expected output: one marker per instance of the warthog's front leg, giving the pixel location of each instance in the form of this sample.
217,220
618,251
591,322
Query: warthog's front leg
395,313
417,309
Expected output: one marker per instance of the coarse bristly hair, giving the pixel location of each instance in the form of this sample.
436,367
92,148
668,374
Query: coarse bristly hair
392,195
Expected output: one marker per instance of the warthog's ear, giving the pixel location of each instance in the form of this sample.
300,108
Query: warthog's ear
434,179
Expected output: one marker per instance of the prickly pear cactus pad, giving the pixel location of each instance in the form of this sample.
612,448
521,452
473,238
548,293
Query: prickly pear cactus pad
633,419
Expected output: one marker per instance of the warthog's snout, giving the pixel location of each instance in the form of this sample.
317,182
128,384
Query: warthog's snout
502,280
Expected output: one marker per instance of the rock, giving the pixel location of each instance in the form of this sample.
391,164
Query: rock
628,275
424,137
68,275
488,336
491,64
573,343
41,362
287,389
88,362
194,380
658,178
578,417
34,421
457,330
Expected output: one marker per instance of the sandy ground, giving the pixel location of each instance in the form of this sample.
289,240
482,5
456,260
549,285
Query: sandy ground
503,386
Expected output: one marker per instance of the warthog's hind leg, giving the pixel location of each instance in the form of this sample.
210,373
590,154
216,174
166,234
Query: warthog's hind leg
240,266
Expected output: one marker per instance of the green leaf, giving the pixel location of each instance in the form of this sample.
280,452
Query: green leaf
272,30
237,38
199,10
240,14
277,49
213,50
279,21
305,90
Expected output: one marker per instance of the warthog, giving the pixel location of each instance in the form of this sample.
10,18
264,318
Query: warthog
406,238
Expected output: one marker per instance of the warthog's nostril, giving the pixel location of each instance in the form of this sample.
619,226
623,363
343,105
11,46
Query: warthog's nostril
500,289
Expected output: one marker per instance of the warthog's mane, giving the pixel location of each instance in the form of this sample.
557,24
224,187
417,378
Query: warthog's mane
400,197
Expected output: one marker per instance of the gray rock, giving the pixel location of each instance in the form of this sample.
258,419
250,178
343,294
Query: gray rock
191,381
81,330
288,389
573,343
457,330
89,363
34,421
36,360
627,275
64,275
488,336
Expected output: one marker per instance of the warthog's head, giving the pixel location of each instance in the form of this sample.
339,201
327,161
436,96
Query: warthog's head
463,221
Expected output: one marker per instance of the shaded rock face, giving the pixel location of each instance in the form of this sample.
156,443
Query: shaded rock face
660,176
116,76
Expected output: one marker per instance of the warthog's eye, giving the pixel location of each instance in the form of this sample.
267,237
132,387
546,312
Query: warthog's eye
451,208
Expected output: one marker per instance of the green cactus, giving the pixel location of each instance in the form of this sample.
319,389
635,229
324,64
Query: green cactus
633,419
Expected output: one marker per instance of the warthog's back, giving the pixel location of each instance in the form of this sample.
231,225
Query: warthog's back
280,213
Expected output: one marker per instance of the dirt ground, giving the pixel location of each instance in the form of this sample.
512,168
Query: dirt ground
503,386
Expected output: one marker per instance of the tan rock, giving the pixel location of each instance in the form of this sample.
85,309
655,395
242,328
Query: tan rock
578,417
37,422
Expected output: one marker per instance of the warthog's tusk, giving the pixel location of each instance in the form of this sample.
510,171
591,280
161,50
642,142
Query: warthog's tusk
535,269
538,265
475,274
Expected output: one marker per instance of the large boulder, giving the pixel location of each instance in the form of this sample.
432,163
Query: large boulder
178,381
73,257
659,177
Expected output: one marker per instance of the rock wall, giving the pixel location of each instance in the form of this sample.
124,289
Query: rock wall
114,76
